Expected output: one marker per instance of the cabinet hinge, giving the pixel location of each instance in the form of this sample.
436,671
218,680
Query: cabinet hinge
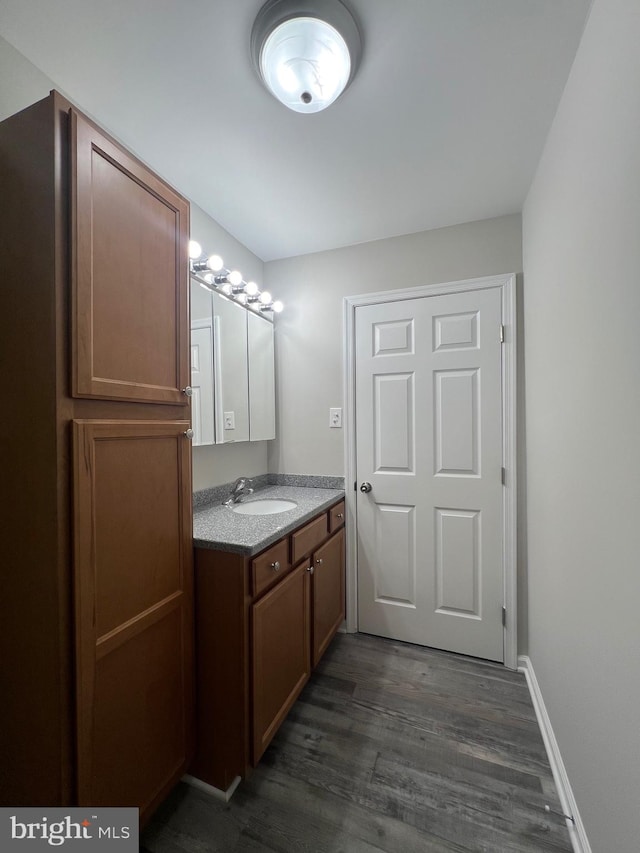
504,476
501,333
504,617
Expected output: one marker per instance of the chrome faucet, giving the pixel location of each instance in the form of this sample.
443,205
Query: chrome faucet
241,488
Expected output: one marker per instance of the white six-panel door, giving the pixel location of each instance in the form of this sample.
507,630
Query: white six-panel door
428,405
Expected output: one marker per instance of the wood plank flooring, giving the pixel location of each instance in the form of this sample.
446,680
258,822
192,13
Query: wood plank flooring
391,748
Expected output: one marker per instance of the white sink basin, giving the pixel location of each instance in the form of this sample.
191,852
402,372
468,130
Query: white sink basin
263,506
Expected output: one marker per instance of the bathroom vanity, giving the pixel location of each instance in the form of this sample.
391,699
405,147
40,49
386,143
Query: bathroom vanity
270,596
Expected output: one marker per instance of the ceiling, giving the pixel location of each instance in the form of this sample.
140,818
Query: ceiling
444,122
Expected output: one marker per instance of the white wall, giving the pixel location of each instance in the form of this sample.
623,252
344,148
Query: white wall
582,359
222,463
309,332
21,83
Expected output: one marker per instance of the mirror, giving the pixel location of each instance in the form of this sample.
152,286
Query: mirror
232,370
262,389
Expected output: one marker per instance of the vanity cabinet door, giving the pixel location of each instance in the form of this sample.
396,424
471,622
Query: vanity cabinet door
328,604
129,271
281,665
133,597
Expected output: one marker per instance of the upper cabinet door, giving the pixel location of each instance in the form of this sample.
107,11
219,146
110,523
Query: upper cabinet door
129,271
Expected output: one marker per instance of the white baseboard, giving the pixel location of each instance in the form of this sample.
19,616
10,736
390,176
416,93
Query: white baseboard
218,793
568,803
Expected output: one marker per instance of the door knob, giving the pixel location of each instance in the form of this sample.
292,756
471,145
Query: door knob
366,487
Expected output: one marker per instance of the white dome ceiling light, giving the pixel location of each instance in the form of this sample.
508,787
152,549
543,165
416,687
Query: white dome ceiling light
305,51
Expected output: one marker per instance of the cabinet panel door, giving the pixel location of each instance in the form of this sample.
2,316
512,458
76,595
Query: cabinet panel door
129,238
281,641
133,599
327,593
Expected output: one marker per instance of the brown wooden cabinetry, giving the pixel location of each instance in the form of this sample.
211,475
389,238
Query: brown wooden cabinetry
129,321
327,593
96,623
262,623
280,654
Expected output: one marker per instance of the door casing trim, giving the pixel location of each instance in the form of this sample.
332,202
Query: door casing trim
507,285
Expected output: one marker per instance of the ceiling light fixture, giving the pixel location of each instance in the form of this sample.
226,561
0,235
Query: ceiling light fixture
305,51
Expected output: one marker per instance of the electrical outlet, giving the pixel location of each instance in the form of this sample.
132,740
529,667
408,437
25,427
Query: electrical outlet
335,418
229,420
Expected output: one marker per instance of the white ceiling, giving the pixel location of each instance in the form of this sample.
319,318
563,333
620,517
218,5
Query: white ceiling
444,122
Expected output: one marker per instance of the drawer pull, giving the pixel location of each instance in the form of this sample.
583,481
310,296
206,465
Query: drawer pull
276,566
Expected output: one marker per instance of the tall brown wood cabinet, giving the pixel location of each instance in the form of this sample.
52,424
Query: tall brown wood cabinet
96,616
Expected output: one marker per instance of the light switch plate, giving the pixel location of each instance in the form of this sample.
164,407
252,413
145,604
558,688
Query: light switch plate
335,418
229,420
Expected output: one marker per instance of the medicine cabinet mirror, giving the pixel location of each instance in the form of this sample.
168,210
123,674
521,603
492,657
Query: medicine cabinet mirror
232,370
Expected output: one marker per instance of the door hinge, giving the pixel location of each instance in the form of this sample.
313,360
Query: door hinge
504,476
501,333
504,617
355,485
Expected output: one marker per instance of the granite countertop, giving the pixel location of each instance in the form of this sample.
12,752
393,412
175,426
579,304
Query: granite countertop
219,528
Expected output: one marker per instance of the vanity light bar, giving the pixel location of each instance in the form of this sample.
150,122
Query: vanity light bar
230,282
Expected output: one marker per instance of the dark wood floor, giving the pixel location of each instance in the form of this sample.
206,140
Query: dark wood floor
393,748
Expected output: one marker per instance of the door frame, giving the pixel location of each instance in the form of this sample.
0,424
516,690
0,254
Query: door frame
507,285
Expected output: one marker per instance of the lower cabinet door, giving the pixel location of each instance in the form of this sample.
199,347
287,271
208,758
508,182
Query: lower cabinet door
281,642
328,606
133,565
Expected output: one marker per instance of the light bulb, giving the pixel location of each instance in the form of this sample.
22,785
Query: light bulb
306,63
208,277
242,298
265,297
251,288
227,289
195,249
235,277
277,306
214,262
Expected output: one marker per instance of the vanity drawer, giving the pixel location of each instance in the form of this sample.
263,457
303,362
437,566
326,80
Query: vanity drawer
336,516
270,566
303,541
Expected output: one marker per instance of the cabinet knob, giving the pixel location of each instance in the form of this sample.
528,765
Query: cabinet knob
319,561
310,569
340,515
188,391
189,433
276,566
